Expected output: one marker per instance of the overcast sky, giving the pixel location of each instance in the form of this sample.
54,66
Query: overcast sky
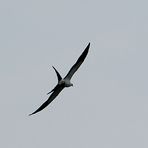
108,105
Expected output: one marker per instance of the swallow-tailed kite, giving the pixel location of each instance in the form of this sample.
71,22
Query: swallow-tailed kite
63,82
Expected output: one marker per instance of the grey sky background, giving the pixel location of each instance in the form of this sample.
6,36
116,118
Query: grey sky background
108,105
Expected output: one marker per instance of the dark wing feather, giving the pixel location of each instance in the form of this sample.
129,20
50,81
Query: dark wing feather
78,63
50,99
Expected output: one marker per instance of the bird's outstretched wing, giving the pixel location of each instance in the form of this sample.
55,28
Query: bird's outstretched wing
80,60
50,99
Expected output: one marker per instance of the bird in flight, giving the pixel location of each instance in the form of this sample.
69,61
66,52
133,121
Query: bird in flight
63,82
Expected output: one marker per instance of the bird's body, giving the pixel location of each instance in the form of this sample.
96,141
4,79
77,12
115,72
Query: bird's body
64,82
